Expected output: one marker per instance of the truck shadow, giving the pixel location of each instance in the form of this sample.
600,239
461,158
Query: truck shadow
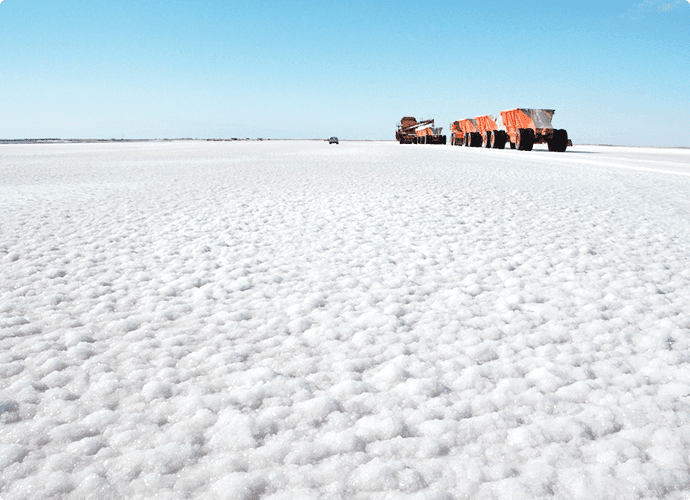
566,152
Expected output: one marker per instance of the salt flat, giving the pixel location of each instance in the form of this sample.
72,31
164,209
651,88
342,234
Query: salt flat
293,320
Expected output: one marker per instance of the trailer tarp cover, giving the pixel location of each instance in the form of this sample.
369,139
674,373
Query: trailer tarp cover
540,117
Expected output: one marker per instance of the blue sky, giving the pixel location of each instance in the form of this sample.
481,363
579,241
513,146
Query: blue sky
616,71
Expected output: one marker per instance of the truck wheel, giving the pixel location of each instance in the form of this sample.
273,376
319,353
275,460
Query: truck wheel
525,139
476,139
466,140
512,145
443,139
489,138
499,139
560,140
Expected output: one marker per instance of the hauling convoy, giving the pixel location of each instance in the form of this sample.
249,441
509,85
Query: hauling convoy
522,128
410,131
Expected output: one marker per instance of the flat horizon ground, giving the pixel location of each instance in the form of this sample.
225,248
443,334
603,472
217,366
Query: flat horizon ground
298,320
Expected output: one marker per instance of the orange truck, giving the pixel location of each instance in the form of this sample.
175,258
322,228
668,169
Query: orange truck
465,132
457,136
527,127
404,132
430,135
410,131
492,131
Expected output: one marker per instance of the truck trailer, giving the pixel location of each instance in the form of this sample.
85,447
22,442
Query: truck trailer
527,127
465,132
493,132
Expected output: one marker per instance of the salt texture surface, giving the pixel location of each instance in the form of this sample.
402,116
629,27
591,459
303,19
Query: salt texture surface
289,320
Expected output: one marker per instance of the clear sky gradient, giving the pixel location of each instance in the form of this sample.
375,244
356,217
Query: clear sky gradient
616,71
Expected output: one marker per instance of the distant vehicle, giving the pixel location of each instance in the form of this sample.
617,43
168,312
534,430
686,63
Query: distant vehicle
333,140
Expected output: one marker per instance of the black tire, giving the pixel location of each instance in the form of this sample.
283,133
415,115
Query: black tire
466,140
512,145
476,140
560,140
443,139
525,139
499,139
489,137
